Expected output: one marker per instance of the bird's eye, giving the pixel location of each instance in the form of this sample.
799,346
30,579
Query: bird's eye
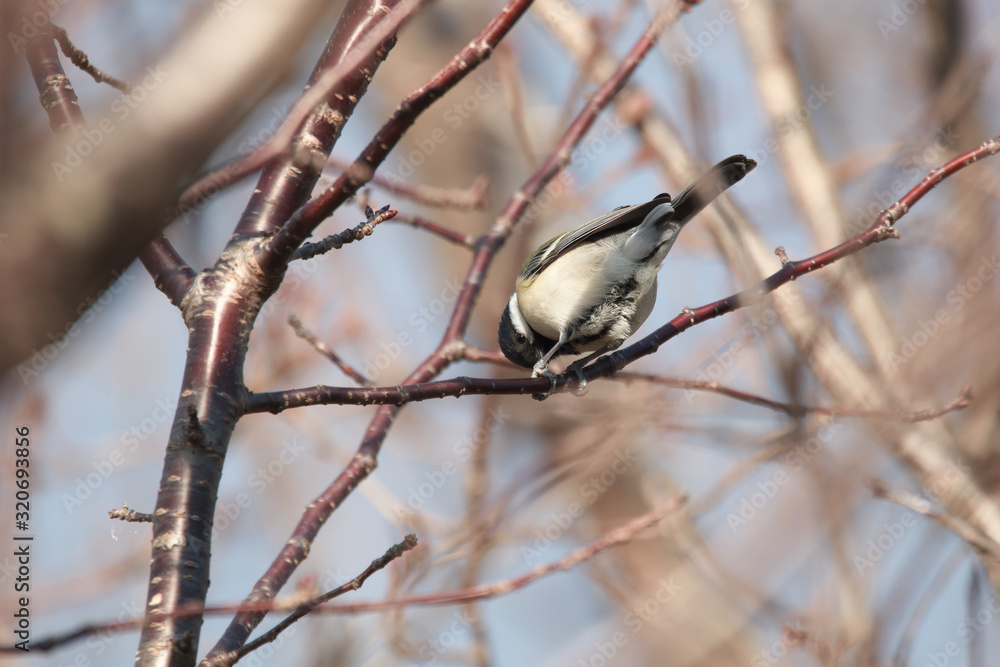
520,338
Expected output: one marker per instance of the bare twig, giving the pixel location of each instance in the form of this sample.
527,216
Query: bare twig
332,78
283,244
610,364
458,238
394,552
299,610
325,350
126,514
170,273
974,537
337,241
55,91
80,59
617,537
472,197
963,400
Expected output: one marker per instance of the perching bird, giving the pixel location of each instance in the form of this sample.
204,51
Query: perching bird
589,289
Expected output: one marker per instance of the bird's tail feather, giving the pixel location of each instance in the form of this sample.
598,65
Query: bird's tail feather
717,180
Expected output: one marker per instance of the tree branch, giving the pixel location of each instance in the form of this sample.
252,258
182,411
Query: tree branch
325,350
80,59
365,460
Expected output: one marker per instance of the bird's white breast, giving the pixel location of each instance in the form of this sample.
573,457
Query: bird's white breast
571,285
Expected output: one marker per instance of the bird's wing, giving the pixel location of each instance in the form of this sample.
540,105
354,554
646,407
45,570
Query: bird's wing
621,218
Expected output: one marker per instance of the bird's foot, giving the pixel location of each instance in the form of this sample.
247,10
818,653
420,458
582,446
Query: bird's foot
576,367
552,378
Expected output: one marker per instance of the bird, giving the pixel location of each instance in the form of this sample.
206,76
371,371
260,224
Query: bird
589,289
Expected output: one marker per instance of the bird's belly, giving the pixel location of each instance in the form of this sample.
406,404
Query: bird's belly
601,303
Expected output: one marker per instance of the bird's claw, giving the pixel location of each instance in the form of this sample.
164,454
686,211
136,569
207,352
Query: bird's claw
552,387
580,388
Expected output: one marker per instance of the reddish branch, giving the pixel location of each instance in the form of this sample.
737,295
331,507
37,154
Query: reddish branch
354,584
170,273
963,400
301,224
325,350
974,537
55,91
80,59
617,537
306,219
472,197
610,364
335,83
365,33
274,255
220,308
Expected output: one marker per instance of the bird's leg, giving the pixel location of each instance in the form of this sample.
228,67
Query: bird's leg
577,368
542,367
578,365
552,388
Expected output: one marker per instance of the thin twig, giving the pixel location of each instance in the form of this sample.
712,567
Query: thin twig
472,197
338,241
325,350
299,609
283,244
974,537
963,400
235,170
126,514
80,59
394,552
458,238
609,364
617,537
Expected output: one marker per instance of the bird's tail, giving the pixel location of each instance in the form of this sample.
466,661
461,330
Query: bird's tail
717,180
